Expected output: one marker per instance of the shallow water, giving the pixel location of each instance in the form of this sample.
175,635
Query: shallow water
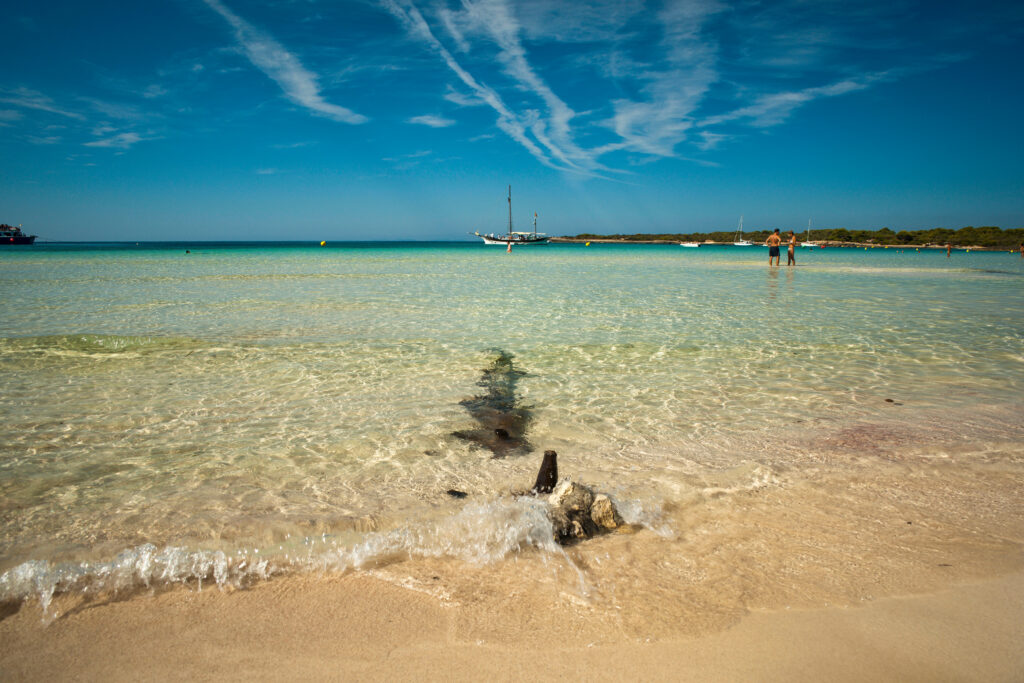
248,410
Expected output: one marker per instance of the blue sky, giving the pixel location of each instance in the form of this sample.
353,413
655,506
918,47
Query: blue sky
406,119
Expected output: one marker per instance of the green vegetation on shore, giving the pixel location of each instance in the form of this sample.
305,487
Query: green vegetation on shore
990,237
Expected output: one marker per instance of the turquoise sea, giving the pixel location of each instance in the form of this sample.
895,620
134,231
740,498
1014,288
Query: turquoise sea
248,410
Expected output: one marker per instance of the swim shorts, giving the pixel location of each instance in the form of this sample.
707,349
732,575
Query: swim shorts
773,251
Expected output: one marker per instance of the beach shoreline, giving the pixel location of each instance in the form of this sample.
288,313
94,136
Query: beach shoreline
360,626
790,582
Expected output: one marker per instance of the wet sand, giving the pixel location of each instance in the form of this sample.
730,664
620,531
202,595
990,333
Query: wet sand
887,572
360,627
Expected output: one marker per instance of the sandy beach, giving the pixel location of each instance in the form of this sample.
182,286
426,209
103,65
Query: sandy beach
365,628
815,588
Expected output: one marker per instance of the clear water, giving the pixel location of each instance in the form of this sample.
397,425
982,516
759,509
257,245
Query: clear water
262,408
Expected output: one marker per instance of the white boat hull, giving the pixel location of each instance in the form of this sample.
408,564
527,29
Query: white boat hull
515,237
689,245
494,239
744,243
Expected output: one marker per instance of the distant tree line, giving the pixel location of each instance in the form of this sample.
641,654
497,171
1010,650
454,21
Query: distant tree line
987,236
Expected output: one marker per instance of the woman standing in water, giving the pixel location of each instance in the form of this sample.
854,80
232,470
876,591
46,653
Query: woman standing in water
791,254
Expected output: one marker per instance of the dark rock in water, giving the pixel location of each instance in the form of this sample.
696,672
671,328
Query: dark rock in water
456,494
570,512
502,420
547,477
576,511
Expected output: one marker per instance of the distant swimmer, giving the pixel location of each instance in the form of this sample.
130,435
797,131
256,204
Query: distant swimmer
773,242
1022,249
949,249
791,254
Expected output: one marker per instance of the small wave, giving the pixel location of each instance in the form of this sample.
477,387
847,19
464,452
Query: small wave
143,566
480,533
742,479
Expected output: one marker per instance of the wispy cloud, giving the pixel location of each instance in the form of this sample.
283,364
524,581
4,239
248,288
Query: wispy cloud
154,91
773,109
462,99
432,121
652,122
284,68
119,141
115,110
32,99
409,161
553,132
548,138
411,18
654,84
412,155
656,124
709,140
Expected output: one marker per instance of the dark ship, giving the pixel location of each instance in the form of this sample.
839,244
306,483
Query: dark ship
13,235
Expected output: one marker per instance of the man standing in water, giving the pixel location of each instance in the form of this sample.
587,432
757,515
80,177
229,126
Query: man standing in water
773,242
791,254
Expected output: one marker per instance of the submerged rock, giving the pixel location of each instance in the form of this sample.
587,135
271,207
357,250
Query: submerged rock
501,419
570,511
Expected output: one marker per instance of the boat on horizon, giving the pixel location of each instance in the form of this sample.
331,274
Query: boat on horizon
512,236
690,245
740,242
808,242
13,235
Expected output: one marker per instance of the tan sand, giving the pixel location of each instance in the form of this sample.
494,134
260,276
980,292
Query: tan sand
360,627
885,566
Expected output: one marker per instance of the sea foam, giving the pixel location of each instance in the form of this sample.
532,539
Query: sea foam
480,533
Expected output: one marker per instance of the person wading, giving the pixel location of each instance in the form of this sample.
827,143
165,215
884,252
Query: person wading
773,242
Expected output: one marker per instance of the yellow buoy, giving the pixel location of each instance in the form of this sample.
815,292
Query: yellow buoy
323,243
587,244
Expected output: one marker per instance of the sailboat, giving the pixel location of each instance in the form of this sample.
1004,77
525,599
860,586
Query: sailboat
513,237
808,242
740,242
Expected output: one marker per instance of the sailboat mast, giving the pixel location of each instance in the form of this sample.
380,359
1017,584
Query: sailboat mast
510,210
534,223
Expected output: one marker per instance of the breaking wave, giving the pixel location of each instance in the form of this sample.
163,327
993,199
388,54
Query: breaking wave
480,533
